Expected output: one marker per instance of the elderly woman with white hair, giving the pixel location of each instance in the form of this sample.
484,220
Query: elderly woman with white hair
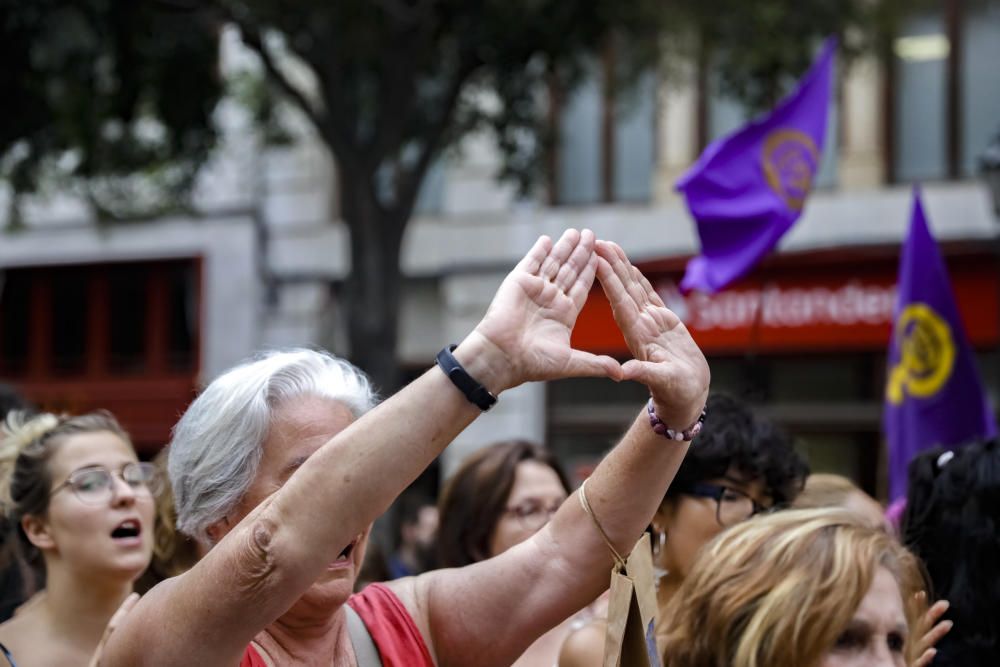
282,467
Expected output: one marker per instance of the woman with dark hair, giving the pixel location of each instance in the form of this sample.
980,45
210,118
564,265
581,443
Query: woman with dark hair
742,465
952,522
501,496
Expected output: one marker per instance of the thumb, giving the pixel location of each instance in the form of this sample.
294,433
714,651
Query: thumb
641,371
585,364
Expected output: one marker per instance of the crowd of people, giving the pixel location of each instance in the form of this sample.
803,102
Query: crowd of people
249,540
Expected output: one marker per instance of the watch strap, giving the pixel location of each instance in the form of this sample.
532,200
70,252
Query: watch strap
477,394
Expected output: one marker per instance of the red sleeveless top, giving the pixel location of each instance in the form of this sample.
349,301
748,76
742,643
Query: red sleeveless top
396,636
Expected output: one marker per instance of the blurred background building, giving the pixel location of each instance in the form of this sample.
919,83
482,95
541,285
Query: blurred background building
135,318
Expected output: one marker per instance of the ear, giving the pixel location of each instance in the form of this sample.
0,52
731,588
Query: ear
37,530
216,531
664,515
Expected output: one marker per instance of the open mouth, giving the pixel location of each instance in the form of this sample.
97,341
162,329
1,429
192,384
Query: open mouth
344,557
348,550
130,528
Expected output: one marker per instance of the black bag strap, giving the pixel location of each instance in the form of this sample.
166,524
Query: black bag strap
364,647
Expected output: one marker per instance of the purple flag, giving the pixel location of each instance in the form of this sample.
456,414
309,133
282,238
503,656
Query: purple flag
748,189
933,394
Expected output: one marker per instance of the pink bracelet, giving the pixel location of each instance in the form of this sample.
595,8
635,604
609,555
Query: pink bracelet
660,428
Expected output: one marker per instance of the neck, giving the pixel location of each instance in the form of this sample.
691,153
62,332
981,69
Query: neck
302,637
666,590
79,605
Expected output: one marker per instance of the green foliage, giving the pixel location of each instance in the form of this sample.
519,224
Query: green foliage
110,96
119,94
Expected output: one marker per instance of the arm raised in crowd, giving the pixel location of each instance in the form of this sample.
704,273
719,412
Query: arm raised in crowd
496,608
278,550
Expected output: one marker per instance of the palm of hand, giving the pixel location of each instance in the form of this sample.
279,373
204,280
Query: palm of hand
666,358
532,316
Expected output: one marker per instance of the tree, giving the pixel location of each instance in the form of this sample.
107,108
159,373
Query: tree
395,82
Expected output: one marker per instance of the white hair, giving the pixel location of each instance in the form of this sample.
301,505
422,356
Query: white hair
218,443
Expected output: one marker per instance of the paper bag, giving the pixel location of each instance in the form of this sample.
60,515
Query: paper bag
631,640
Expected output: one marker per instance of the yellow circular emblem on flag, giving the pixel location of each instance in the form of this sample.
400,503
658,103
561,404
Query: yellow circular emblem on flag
927,354
789,159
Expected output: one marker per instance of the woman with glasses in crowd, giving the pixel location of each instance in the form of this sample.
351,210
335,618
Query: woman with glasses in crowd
81,506
740,466
499,497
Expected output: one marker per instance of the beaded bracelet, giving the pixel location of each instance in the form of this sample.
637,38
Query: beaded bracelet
670,434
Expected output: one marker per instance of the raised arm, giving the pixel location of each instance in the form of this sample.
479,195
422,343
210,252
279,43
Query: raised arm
495,609
259,569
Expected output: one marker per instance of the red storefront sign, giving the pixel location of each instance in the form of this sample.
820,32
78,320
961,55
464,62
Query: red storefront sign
841,306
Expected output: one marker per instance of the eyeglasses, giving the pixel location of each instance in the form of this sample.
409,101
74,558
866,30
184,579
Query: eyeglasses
532,514
94,485
732,506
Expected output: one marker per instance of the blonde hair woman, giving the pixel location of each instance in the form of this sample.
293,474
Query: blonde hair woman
811,588
81,505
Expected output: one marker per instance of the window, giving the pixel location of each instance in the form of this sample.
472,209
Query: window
921,55
15,314
606,140
980,83
946,91
114,320
69,318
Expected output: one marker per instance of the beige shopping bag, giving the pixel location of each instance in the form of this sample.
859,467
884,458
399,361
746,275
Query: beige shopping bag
631,641
631,637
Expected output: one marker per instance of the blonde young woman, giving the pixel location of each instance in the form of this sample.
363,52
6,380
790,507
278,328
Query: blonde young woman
810,588
81,503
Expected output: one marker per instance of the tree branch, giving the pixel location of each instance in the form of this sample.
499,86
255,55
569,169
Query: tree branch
410,180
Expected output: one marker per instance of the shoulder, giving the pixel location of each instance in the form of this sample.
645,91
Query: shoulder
585,646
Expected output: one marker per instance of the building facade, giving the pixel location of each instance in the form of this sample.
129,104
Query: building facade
135,318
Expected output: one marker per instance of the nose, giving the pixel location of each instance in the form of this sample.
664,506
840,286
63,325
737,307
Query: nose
883,657
122,494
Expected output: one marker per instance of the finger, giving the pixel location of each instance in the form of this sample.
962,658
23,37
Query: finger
651,294
926,658
626,273
560,252
936,611
936,634
621,302
531,263
117,618
640,371
123,611
577,262
585,364
580,289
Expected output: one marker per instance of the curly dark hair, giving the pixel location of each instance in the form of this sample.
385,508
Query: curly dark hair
952,522
733,438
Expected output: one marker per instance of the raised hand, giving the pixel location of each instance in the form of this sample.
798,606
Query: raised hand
532,315
930,630
666,358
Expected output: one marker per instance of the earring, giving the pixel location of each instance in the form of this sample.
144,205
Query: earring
659,572
661,538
